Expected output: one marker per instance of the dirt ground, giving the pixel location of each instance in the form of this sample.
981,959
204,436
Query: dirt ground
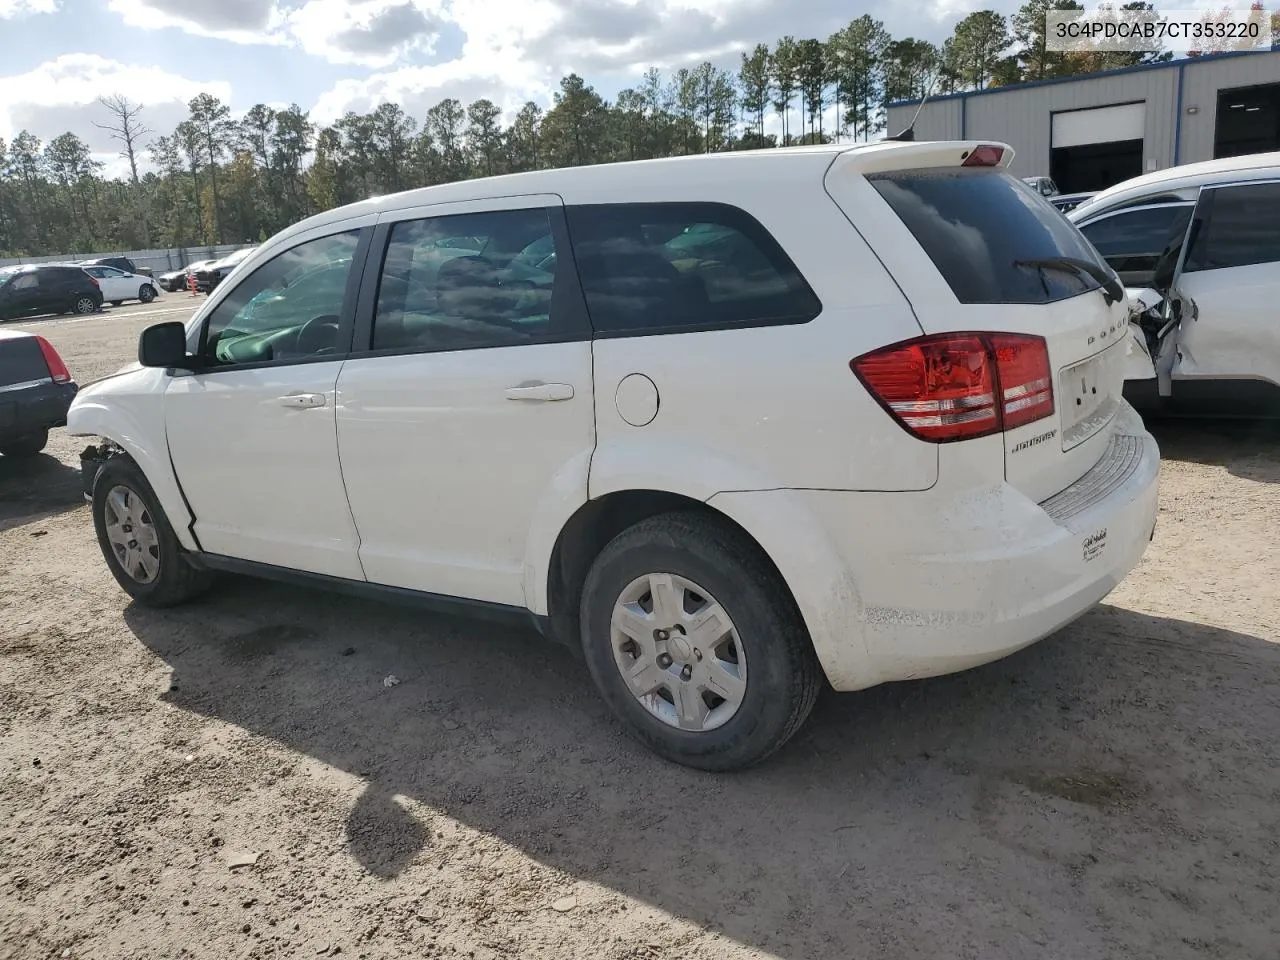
233,779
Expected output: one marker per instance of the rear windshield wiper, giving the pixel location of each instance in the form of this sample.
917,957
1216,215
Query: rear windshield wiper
1112,288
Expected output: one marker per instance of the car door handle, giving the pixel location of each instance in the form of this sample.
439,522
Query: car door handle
541,391
304,401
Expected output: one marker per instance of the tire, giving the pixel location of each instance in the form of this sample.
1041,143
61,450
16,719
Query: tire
27,446
766,652
146,293
116,303
170,579
85,305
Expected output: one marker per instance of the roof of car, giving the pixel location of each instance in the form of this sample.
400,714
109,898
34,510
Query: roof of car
709,171
1184,176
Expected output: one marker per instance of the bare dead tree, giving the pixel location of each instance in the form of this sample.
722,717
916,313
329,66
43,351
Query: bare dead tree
126,126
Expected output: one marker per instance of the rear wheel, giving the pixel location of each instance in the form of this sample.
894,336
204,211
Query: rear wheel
695,643
85,305
137,540
26,446
146,293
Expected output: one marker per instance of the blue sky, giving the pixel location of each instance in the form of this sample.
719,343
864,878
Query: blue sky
328,56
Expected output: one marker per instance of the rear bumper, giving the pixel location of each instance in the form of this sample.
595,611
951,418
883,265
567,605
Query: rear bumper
26,410
933,583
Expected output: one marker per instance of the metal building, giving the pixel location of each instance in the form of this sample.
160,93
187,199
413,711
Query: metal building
1088,133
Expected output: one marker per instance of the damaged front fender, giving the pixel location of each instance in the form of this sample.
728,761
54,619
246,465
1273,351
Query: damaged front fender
92,458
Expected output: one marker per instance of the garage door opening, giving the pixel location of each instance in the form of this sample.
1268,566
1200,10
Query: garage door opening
1248,121
1097,148
1095,166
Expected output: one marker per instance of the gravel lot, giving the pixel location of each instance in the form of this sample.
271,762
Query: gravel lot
1111,792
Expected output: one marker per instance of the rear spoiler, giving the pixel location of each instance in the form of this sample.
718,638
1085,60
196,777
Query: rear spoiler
887,155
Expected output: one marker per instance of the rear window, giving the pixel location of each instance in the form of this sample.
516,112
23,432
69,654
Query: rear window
976,225
21,361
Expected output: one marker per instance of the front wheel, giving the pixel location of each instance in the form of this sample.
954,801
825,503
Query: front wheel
696,644
146,293
137,540
25,446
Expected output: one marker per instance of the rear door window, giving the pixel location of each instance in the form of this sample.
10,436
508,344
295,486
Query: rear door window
1144,232
977,225
1132,241
665,267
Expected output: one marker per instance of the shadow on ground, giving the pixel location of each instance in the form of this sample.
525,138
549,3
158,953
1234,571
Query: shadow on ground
35,488
1249,449
1119,778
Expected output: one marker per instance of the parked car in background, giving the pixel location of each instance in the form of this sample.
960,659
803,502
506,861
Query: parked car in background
912,458
119,263
35,391
119,286
32,289
1066,202
1041,185
1206,237
176,280
209,276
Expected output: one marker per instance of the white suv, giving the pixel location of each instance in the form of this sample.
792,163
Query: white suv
728,425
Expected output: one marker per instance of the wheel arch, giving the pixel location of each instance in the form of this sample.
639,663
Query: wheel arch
593,525
120,428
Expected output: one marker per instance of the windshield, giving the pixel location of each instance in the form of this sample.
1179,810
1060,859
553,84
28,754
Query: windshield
984,230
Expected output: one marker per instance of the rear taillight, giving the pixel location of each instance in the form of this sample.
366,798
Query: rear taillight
957,386
57,369
987,155
1022,370
93,279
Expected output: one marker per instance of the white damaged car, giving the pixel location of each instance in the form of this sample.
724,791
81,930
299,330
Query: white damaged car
1202,241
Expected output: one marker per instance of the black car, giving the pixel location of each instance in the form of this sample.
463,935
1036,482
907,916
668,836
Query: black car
47,288
176,280
120,263
208,277
36,390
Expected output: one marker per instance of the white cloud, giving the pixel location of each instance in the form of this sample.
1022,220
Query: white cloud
61,95
11,9
494,63
239,21
370,33
418,89
375,33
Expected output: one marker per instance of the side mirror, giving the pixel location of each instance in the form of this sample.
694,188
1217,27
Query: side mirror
164,345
